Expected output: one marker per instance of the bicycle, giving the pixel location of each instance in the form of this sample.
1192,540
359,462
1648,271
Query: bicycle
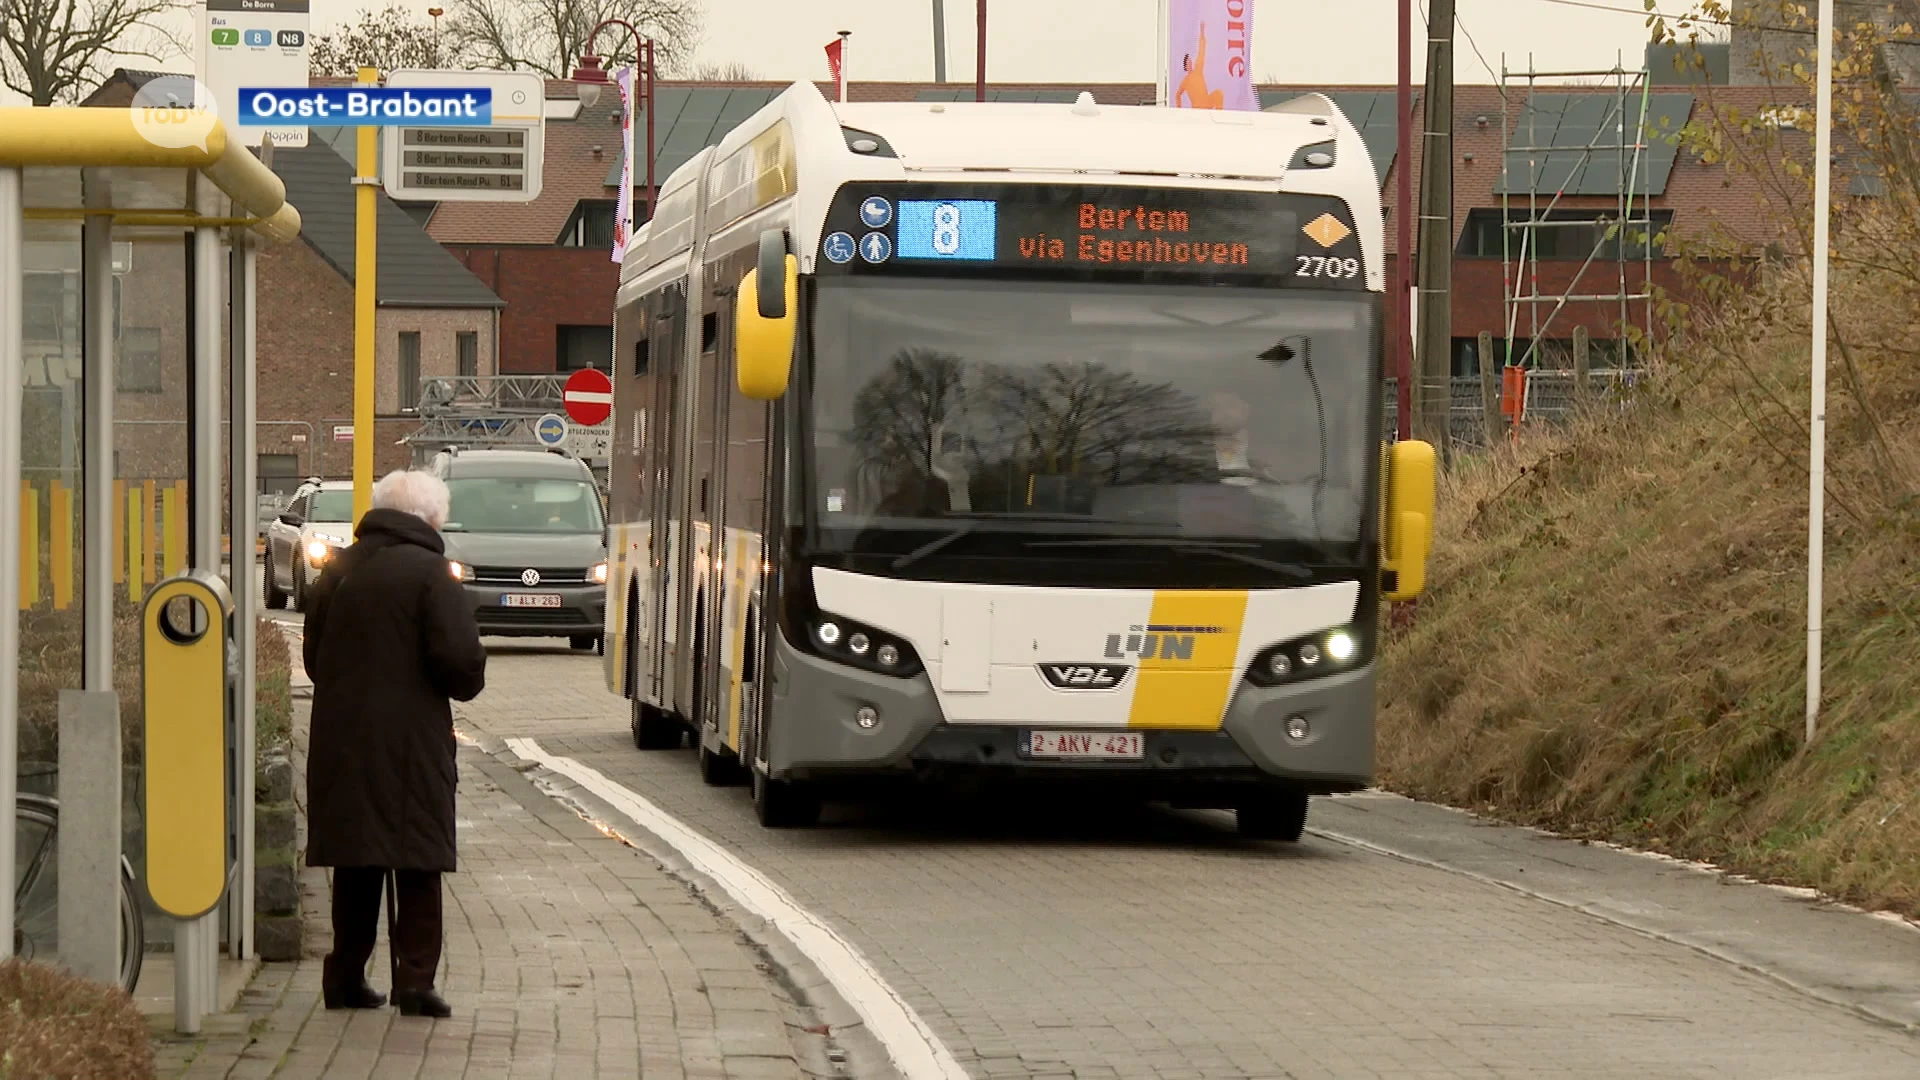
36,891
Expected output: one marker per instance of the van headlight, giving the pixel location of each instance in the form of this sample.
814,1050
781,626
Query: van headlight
597,574
460,571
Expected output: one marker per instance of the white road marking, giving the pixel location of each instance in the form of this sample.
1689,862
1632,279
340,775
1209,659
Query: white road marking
916,1051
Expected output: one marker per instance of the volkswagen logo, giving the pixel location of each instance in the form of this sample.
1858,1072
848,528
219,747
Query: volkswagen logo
529,577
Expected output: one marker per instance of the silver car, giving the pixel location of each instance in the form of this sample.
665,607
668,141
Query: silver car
315,526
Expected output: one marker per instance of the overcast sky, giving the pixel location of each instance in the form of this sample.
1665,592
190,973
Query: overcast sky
1298,41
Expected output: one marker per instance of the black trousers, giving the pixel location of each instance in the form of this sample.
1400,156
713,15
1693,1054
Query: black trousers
416,932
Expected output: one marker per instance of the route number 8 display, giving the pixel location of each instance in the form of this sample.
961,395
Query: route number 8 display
946,229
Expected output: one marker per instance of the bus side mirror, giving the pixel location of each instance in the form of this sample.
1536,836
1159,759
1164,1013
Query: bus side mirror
764,319
1406,524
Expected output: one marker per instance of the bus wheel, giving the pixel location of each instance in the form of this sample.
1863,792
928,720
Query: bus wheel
1280,814
784,804
653,729
721,769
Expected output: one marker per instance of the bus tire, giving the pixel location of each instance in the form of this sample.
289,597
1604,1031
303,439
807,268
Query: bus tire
1280,814
784,804
654,729
719,768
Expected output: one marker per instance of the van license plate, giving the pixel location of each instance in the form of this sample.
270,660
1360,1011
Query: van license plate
527,599
1086,745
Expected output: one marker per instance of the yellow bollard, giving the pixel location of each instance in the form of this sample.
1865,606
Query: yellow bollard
183,687
119,531
60,545
170,554
133,544
149,539
29,546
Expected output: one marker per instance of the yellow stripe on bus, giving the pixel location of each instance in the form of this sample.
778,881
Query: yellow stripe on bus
1187,652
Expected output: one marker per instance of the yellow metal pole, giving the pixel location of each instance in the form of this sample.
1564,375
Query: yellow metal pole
119,531
170,553
133,543
29,546
364,211
60,545
148,535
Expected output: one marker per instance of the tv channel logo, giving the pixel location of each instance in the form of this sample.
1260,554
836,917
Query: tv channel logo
175,111
259,39
226,35
291,39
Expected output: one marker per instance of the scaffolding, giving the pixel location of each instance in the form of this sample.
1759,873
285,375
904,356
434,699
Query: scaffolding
1614,160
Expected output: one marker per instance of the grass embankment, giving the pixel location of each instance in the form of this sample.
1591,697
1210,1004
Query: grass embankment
1613,645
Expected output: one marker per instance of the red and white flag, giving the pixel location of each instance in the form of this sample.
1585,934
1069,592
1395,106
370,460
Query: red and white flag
835,68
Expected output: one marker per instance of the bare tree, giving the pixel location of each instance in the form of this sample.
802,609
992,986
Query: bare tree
548,36
56,50
731,71
391,39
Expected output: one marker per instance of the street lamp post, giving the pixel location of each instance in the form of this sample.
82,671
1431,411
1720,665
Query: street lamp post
589,77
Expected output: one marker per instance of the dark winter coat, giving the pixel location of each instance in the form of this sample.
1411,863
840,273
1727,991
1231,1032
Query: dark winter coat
390,638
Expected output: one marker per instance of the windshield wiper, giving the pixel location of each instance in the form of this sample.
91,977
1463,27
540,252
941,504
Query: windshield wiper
1223,550
933,545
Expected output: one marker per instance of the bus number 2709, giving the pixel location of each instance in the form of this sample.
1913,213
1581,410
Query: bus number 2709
1320,266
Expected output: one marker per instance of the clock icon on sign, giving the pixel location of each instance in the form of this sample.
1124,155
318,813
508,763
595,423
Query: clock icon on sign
837,247
876,212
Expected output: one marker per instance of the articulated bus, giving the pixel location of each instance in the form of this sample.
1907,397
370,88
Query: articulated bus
1012,441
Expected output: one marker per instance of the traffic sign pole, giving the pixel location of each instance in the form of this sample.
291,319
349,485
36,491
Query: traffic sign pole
365,192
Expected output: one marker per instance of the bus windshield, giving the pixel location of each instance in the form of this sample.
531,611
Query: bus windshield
1074,412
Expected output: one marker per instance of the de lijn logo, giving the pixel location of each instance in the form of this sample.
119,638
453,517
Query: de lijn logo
365,106
1157,641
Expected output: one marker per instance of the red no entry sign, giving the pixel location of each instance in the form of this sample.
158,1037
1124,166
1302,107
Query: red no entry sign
588,396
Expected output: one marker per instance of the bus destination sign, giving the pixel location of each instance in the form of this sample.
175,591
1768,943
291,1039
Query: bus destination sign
1054,230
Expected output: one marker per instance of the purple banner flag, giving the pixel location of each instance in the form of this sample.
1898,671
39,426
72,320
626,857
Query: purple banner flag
1208,65
623,209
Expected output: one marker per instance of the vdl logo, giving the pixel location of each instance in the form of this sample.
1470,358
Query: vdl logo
1157,641
1084,676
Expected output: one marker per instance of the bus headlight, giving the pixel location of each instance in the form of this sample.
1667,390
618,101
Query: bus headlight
1324,653
864,647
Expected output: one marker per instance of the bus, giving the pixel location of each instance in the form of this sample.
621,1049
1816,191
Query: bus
1025,442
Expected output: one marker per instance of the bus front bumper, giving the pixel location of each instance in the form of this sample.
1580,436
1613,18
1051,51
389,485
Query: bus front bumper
815,735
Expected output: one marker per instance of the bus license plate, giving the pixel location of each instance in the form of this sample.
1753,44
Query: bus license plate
526,599
1087,745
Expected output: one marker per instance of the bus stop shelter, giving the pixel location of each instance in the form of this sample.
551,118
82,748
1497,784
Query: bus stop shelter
126,367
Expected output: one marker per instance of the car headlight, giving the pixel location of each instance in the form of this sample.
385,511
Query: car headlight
317,551
862,646
460,571
598,574
1323,653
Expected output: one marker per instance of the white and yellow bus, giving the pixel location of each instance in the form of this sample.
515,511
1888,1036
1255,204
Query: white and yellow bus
1040,442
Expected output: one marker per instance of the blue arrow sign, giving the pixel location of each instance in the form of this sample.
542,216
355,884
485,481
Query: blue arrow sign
550,429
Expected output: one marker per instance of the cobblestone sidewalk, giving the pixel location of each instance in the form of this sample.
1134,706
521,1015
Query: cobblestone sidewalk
568,954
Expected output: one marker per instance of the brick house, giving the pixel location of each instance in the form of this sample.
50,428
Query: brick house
433,318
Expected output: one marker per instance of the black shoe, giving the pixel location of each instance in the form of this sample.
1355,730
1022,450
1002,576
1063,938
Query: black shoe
352,997
421,1003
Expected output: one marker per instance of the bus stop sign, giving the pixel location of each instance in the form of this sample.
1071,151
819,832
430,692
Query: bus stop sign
588,396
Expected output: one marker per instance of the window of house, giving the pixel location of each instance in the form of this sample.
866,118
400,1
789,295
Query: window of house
591,224
466,353
1563,234
408,369
579,347
47,314
138,367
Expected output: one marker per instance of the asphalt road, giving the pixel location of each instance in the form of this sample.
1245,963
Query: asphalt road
1036,938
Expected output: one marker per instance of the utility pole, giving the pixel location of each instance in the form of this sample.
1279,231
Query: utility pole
939,41
1435,361
980,52
1399,318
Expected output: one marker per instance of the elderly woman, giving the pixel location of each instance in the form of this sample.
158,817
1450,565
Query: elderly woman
390,638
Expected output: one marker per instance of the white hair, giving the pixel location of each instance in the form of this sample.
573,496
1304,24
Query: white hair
421,494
